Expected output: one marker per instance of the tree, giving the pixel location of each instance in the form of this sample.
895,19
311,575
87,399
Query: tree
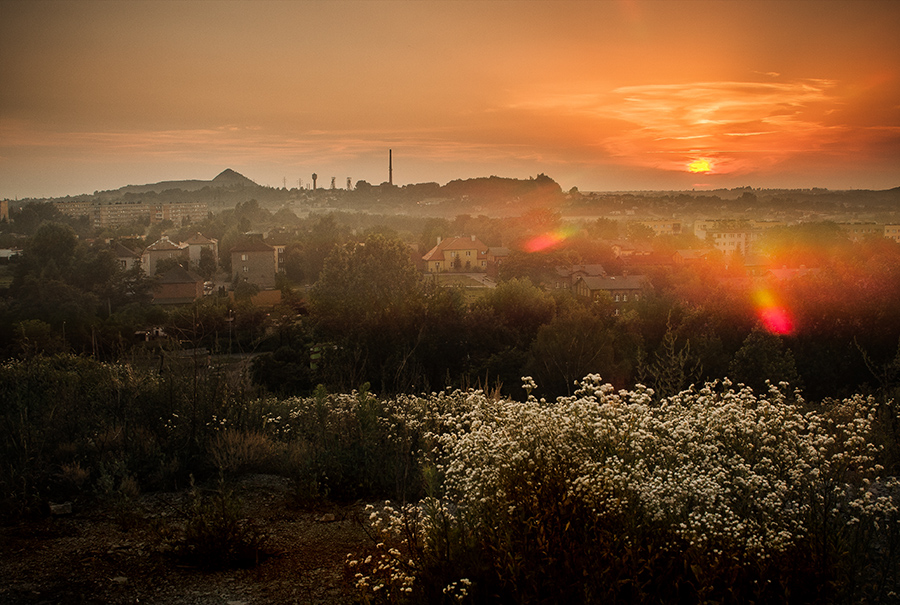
52,242
638,232
164,265
207,264
569,348
763,357
368,301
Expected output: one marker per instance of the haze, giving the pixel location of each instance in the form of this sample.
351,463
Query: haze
612,95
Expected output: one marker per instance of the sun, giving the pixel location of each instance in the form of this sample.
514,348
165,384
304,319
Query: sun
699,166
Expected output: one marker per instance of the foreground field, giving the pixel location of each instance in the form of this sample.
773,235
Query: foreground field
718,493
109,555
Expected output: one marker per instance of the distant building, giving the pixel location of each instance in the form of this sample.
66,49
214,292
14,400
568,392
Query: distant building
666,227
728,236
179,213
565,277
177,286
689,257
159,250
121,212
621,289
254,261
859,231
196,243
127,258
457,254
892,232
496,256
625,249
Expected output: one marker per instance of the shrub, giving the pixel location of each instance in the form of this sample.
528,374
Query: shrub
709,495
216,536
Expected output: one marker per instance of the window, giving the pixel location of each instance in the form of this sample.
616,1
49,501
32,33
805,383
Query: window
244,257
468,253
245,269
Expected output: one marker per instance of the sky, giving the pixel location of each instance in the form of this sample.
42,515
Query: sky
606,95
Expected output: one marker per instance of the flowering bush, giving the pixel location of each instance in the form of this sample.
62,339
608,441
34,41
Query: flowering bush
711,494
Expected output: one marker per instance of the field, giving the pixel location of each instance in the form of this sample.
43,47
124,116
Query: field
716,493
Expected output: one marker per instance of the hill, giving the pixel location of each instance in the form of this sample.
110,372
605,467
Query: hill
226,178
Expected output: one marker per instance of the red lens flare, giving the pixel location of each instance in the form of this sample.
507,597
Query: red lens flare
545,241
542,242
774,317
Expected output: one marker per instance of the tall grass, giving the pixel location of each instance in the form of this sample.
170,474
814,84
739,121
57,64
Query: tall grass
712,494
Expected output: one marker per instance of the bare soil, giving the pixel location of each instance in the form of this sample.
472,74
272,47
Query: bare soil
111,554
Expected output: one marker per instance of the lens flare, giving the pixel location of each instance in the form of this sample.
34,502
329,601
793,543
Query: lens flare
774,317
542,242
546,241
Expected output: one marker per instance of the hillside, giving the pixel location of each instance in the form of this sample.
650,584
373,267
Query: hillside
226,178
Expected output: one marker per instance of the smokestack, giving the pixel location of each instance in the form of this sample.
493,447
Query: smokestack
390,167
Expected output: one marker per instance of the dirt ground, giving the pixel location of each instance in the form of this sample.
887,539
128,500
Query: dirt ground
96,555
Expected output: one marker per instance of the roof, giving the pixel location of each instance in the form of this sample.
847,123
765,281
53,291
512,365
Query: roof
593,269
692,254
455,243
122,251
621,282
163,244
252,244
179,275
199,238
786,273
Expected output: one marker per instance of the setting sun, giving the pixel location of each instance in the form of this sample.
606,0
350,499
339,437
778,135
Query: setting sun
699,166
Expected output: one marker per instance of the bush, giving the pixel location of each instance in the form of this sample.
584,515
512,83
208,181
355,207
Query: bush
216,536
709,495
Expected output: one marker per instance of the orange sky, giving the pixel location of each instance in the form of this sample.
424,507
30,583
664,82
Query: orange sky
602,95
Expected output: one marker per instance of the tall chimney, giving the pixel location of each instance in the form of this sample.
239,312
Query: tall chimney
390,167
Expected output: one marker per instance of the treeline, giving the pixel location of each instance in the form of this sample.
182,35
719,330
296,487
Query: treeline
374,321
355,310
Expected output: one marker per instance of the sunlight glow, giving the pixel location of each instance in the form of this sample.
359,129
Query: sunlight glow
699,166
546,241
774,317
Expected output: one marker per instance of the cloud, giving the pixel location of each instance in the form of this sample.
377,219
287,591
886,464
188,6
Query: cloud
735,126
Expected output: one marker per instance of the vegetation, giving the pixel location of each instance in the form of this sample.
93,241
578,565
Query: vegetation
714,493
668,481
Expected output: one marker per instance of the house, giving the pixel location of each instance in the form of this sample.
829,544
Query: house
254,261
859,231
127,258
689,257
196,243
892,232
159,250
729,236
177,286
496,256
625,249
664,227
565,277
785,273
457,253
621,289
